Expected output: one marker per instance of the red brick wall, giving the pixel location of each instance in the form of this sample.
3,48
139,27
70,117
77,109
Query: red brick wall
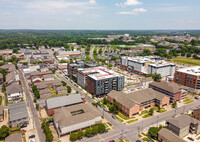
165,101
90,86
123,67
177,96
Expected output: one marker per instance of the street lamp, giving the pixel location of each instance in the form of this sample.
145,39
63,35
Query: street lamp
157,120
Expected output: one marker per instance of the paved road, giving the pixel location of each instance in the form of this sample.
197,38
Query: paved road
91,53
36,120
130,131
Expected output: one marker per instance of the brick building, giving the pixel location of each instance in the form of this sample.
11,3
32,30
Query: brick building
189,77
169,88
135,102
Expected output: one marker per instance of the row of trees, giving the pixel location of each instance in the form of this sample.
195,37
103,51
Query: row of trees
69,89
4,132
47,131
95,129
36,92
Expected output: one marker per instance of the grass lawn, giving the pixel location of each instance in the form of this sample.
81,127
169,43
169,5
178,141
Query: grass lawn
123,116
143,112
146,115
119,118
188,100
189,61
146,139
131,121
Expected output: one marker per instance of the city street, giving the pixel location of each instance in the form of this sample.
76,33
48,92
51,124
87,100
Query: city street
130,131
30,103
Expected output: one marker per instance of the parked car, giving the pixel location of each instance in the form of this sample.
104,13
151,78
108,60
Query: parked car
138,141
83,138
31,136
106,131
105,110
190,138
112,141
113,117
196,98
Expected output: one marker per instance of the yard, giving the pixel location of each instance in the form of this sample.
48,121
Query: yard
189,61
188,100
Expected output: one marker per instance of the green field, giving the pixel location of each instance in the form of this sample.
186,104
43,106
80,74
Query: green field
189,61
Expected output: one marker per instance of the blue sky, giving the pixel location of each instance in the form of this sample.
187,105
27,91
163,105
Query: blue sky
100,14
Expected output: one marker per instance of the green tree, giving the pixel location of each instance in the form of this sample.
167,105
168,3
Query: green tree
80,134
115,108
100,51
3,87
188,55
153,132
37,106
4,132
157,77
95,129
53,71
63,61
174,104
64,84
101,127
88,132
25,63
151,111
69,89
73,136
105,101
110,65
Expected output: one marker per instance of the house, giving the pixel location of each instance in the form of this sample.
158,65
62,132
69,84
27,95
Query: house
40,74
61,90
12,77
16,137
76,117
53,83
183,125
169,88
44,69
36,79
40,85
18,115
49,77
9,67
165,135
1,113
135,102
1,78
62,101
45,93
14,92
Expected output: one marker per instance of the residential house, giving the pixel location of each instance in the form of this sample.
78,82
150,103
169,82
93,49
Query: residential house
183,125
62,101
41,85
146,81
49,77
12,77
169,88
165,135
14,92
45,93
76,117
135,102
61,90
18,115
36,79
9,67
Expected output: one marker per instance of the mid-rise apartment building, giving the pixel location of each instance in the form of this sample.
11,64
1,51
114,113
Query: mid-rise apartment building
147,65
189,77
103,81
171,89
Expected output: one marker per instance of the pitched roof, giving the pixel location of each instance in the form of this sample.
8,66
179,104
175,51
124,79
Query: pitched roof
40,73
49,76
66,116
170,136
66,100
17,111
61,88
169,86
17,137
138,97
44,91
183,121
146,79
13,88
10,76
9,67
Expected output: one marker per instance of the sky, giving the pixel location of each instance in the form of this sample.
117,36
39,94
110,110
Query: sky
100,14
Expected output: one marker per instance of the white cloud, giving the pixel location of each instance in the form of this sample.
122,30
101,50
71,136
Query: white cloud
129,3
135,11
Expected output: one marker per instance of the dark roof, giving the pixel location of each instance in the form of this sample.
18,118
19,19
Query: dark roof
168,86
13,88
183,121
10,76
170,136
61,101
17,137
17,111
138,97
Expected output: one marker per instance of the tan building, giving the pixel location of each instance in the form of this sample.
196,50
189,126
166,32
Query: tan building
135,102
165,135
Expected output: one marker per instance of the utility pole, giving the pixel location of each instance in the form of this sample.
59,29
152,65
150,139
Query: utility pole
157,120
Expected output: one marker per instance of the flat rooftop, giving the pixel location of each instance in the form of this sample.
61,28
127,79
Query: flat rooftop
191,70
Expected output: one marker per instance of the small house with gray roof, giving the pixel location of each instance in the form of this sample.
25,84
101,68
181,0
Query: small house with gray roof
14,92
135,102
183,125
18,115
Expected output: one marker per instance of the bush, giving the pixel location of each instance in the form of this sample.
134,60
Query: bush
88,132
73,136
80,134
69,89
153,132
64,84
4,132
105,101
101,128
94,104
95,129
